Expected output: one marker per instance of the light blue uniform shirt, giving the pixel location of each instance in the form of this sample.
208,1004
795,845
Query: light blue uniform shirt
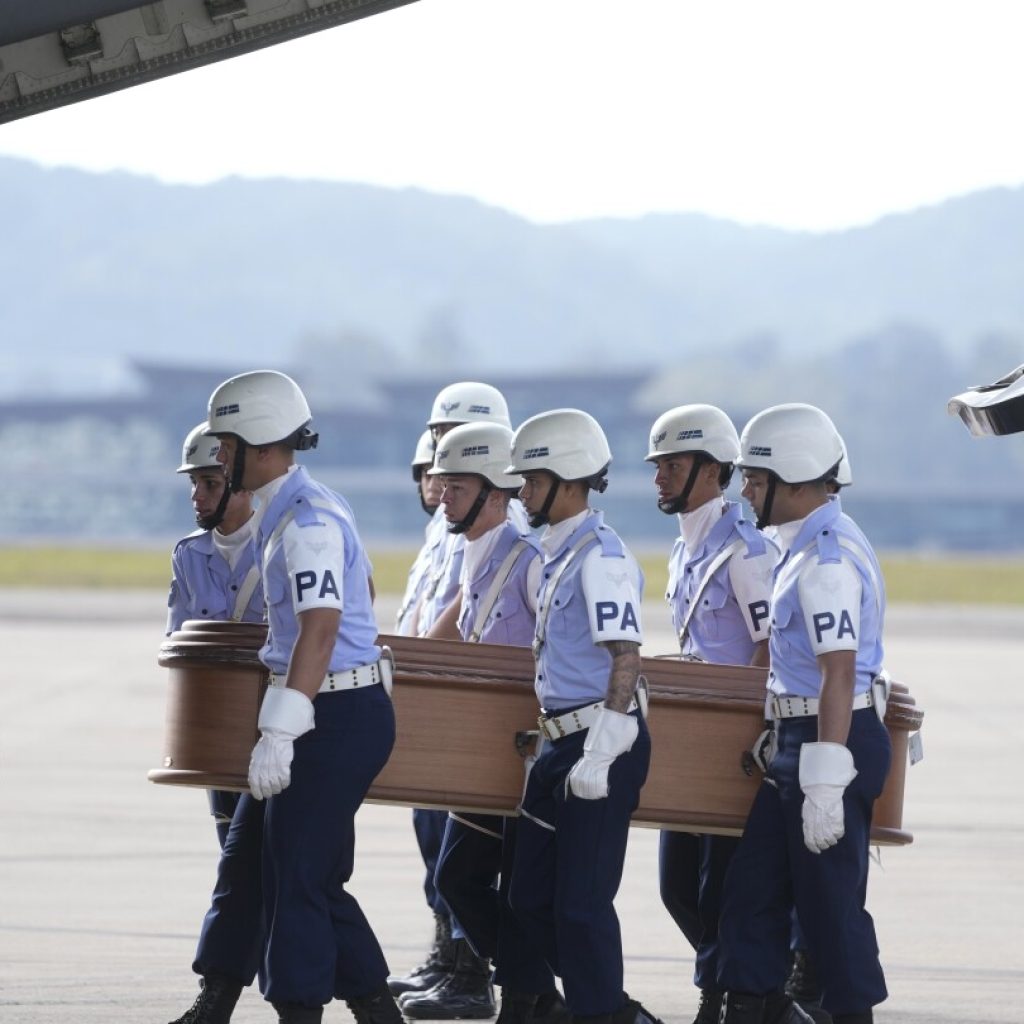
511,620
204,586
596,599
733,611
808,621
443,584
419,577
446,570
335,578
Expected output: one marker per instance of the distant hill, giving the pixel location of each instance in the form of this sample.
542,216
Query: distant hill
98,267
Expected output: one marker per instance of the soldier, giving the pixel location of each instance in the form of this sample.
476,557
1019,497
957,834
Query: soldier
802,985
428,490
719,586
326,729
213,570
806,839
585,783
462,402
497,604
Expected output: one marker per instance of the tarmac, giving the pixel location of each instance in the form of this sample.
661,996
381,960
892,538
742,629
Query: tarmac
105,877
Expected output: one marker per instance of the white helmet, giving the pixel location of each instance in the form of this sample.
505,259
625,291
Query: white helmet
568,443
796,442
467,402
694,428
262,407
844,474
423,456
992,410
199,451
483,449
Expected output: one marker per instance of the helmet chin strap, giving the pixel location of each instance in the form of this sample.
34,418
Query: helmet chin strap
540,518
470,517
675,505
429,509
216,517
232,484
237,465
764,517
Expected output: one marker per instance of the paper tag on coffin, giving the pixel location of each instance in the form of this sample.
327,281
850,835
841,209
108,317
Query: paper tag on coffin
460,708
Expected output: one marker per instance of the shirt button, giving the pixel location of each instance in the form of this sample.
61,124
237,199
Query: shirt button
234,586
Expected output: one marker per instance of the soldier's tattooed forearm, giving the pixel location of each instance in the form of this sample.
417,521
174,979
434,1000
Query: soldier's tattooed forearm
624,674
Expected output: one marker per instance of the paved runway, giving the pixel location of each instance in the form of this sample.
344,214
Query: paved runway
104,877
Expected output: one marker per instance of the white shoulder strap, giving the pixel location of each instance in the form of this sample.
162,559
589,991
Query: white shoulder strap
287,518
245,592
800,562
866,564
542,613
717,562
499,581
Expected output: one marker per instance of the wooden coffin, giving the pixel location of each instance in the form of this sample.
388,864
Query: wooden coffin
465,716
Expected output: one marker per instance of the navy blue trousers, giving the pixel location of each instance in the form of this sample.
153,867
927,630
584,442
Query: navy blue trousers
467,873
772,871
429,827
567,868
691,871
222,806
472,875
288,859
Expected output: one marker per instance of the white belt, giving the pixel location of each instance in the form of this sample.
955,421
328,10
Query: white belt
557,726
806,707
350,678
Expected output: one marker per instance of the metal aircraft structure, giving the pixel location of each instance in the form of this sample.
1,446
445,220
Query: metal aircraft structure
57,52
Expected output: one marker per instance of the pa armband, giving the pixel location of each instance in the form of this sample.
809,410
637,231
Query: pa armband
611,588
830,596
315,557
751,580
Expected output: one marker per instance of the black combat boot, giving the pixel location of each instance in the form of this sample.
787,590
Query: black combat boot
376,1008
743,1008
709,1008
802,985
866,1017
465,994
516,1007
550,1008
634,1013
439,963
526,1008
295,1013
215,1002
780,1009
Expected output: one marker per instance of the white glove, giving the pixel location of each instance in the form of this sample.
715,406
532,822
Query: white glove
826,769
284,716
613,733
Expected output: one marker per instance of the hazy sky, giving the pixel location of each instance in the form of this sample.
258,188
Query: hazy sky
800,114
